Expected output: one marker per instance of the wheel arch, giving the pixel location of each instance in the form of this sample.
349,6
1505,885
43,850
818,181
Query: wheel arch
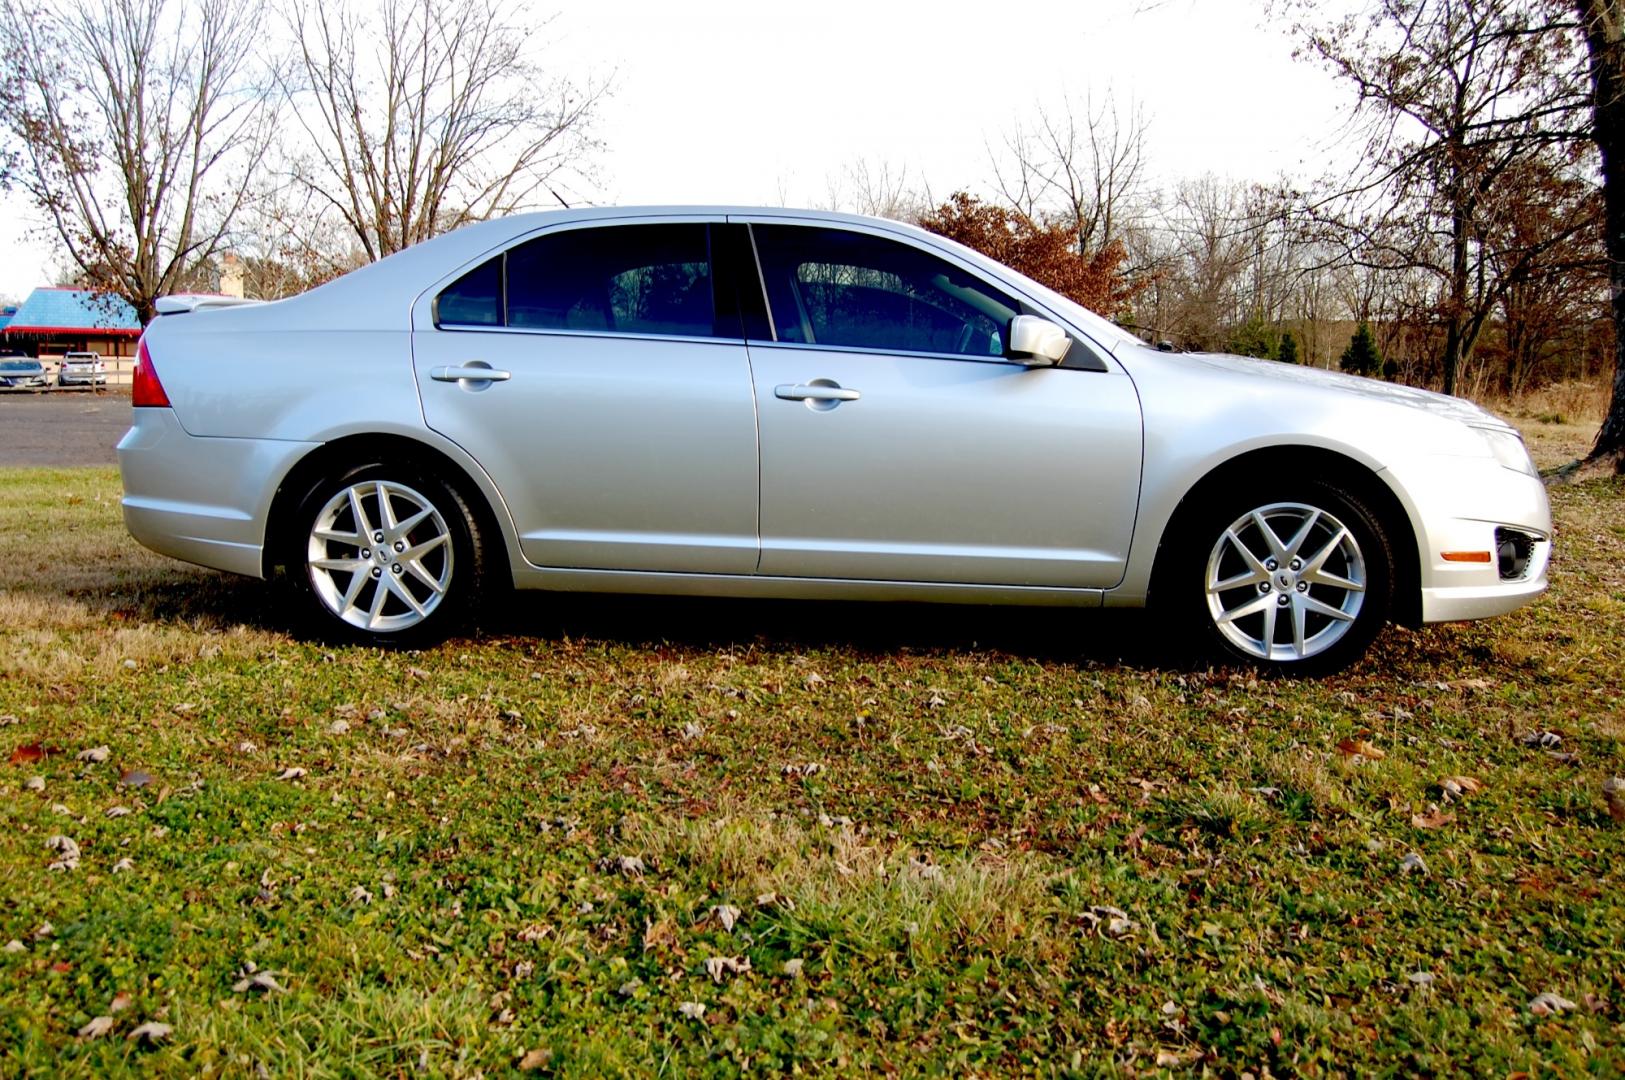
1318,463
350,449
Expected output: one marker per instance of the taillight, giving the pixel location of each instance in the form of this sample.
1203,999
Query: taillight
146,390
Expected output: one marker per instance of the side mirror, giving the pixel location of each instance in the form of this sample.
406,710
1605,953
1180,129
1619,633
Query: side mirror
1037,342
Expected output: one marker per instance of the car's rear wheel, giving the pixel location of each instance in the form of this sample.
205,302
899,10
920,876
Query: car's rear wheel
384,555
1297,578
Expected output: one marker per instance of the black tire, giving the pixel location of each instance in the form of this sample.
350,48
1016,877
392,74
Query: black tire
1304,637
333,605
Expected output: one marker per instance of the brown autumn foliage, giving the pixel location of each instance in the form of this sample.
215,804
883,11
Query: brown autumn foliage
1045,252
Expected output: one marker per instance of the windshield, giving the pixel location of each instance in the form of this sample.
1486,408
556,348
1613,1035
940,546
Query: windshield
17,365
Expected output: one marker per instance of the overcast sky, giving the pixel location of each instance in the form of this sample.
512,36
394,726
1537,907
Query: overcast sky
758,102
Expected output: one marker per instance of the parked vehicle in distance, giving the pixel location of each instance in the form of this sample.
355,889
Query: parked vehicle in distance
20,371
799,404
81,369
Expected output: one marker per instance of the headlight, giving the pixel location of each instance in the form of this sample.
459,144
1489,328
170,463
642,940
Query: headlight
1508,448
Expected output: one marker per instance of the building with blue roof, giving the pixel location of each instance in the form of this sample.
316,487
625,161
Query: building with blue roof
55,320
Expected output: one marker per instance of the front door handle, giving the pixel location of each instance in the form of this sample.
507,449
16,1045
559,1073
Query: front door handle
815,392
472,372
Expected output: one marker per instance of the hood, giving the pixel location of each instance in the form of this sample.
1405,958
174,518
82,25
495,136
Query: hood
1436,404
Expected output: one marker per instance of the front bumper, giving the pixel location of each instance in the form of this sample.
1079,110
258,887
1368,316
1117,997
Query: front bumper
1463,501
201,500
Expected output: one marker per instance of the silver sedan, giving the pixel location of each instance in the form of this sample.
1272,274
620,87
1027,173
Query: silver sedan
723,401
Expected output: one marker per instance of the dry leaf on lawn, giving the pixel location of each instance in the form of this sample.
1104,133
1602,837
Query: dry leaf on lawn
97,1027
1361,748
1549,1004
1433,819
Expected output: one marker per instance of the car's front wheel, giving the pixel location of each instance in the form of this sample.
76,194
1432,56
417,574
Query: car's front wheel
1298,579
384,555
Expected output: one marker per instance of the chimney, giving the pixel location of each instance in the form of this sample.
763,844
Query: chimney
231,275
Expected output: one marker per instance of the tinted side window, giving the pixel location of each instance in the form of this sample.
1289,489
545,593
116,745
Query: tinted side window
832,287
475,299
630,279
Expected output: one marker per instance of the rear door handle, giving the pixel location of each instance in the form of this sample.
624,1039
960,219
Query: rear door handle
472,372
814,392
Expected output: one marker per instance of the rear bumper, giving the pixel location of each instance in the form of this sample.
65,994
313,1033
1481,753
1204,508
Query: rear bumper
201,500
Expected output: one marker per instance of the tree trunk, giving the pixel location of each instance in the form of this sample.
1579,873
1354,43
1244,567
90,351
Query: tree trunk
1605,41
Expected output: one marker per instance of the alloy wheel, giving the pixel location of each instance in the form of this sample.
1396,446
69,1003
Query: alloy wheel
380,556
1285,582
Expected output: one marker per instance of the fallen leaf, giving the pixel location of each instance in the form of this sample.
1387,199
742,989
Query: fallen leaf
360,895
1413,864
118,811
338,727
123,866
150,1032
692,731
692,1009
630,865
726,914
1542,738
95,755
1459,787
1170,1059
293,772
1434,819
97,1027
718,966
66,846
1421,978
258,980
28,754
120,1002
246,747
35,783
1549,1004
792,968
136,778
1361,748
1613,795
629,987
15,946
417,673
531,1060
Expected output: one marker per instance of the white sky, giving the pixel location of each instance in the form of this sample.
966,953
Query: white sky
763,102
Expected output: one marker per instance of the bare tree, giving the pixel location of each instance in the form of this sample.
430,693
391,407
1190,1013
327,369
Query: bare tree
877,188
134,126
1455,94
424,115
1604,25
1084,164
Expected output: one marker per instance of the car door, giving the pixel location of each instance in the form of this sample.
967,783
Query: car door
617,416
899,443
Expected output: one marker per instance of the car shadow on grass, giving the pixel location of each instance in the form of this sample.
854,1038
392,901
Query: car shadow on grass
209,601
1048,634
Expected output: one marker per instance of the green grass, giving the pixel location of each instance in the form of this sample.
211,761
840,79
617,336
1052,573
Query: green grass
990,781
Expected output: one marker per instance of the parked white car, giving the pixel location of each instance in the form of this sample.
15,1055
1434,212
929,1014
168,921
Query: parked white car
81,369
796,404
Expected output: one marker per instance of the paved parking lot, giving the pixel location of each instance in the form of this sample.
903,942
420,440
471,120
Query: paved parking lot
70,427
